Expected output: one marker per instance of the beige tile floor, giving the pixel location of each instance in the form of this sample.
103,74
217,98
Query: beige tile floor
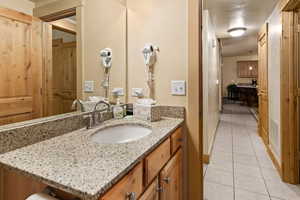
240,168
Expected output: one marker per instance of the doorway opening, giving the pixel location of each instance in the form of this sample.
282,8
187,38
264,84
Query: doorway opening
64,65
60,72
258,129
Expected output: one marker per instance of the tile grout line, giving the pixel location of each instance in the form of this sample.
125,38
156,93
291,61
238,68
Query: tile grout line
259,166
233,171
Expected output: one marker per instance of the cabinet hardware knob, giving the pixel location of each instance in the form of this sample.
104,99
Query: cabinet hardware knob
167,180
180,140
131,196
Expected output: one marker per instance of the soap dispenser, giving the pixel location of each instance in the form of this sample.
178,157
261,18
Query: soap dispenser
118,110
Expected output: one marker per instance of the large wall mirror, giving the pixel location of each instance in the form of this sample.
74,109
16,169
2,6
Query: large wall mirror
54,52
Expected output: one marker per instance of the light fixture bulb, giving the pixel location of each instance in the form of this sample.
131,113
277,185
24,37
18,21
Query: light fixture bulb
237,32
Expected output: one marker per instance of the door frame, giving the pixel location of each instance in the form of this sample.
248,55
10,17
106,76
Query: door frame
61,9
194,122
289,68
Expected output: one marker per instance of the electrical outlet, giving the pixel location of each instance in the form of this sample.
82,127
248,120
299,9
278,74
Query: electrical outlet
178,88
88,86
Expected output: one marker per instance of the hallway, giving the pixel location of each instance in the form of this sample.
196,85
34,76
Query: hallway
240,168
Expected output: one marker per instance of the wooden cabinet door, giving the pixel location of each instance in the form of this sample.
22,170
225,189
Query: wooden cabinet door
171,178
263,84
152,191
247,69
20,67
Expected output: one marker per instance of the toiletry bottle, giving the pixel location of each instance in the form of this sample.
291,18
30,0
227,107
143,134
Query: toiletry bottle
118,110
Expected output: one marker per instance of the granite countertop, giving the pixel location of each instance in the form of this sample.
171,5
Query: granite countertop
75,164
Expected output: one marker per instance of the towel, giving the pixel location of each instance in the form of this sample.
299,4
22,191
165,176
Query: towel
40,196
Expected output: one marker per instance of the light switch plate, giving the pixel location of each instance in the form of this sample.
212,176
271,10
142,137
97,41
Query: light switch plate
88,86
178,88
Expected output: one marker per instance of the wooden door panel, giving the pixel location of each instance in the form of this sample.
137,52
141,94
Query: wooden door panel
264,123
15,70
263,84
15,106
20,62
64,76
171,178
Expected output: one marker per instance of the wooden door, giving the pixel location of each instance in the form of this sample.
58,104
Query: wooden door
263,84
171,178
64,76
20,67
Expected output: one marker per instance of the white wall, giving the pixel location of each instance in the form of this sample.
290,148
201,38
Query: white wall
229,71
275,30
24,6
211,75
104,27
163,23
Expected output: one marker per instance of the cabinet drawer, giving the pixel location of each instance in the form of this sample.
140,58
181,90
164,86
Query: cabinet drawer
176,140
152,192
156,160
131,184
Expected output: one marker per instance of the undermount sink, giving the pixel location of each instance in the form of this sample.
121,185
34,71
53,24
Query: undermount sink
120,134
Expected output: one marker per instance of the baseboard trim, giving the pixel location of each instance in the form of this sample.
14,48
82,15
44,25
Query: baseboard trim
206,159
274,159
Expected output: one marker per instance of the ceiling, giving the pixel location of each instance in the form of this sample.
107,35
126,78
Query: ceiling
226,14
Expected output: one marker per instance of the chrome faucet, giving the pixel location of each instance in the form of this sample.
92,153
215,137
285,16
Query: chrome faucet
74,104
92,121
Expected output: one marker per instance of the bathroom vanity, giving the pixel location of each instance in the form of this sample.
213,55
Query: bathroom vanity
75,166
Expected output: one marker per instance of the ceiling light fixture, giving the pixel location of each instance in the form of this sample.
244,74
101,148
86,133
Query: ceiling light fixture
236,32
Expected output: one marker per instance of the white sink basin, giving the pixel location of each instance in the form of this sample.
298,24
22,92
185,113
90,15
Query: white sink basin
120,134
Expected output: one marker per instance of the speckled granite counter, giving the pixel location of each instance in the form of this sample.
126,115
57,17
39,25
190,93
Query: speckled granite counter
75,164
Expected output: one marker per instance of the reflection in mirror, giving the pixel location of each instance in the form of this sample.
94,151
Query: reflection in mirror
64,65
47,60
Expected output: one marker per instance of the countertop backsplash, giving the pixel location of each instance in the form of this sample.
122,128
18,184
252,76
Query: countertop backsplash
24,134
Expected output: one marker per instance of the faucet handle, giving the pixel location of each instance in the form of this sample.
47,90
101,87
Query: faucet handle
89,118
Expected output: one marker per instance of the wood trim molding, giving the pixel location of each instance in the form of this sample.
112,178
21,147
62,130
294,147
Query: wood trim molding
80,51
274,160
18,16
59,15
64,25
57,7
194,103
288,133
289,5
